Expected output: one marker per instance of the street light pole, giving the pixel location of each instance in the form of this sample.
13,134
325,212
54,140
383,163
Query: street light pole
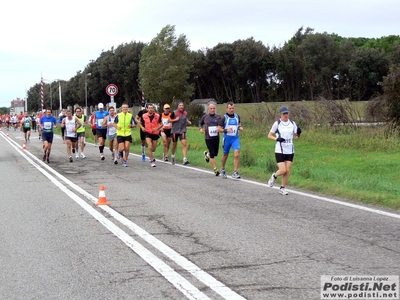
88,74
59,93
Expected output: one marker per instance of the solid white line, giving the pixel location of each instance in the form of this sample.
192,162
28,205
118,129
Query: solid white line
190,267
183,285
348,204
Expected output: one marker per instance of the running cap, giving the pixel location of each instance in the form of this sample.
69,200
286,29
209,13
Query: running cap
166,106
101,105
284,110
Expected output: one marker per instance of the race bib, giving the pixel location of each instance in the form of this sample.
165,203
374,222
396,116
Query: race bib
212,131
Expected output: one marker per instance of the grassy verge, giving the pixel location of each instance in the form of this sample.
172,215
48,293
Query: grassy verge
361,164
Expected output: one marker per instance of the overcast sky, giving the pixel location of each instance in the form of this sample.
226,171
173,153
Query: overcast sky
59,38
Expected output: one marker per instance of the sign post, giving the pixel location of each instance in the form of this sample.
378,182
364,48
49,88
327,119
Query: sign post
111,91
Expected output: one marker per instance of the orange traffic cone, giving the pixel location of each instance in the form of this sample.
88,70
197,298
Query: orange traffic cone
102,197
24,146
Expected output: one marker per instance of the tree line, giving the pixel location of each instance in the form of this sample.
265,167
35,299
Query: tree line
309,66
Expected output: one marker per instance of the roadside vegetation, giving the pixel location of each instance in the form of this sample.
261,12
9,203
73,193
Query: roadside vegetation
345,160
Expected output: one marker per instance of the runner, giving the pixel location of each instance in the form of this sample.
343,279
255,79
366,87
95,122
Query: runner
92,121
14,121
139,120
151,125
230,125
33,118
100,131
47,123
8,121
26,123
61,116
124,121
282,132
166,130
211,121
80,133
71,124
179,120
38,118
111,133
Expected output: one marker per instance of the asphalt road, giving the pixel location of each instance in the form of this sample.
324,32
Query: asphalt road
173,232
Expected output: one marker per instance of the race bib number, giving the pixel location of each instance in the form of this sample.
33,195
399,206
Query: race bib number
99,122
47,125
165,122
233,131
212,131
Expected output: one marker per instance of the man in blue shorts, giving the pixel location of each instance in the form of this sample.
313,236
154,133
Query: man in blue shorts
230,125
100,131
47,123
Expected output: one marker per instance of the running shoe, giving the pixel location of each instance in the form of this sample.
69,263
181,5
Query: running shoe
115,161
83,155
48,160
173,160
223,174
153,165
185,162
283,191
124,164
70,159
143,157
77,155
102,156
216,172
235,175
166,158
206,156
271,181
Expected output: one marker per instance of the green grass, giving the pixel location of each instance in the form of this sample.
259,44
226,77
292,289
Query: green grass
361,165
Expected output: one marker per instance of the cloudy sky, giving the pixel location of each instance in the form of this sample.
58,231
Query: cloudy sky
57,39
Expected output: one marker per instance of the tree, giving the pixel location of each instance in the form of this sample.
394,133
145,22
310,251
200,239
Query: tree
165,66
391,85
366,70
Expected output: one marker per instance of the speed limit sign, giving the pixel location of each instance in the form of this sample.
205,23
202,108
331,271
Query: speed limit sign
111,90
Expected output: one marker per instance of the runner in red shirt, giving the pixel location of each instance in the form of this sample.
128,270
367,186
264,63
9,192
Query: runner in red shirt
92,121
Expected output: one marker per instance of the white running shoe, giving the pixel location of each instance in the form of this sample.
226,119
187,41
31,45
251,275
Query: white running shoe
271,181
283,191
83,155
223,174
235,175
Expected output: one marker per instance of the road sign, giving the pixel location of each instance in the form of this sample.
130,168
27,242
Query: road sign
111,90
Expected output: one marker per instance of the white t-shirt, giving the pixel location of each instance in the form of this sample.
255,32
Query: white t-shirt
285,130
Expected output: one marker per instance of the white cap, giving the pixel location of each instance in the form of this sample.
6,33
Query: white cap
101,105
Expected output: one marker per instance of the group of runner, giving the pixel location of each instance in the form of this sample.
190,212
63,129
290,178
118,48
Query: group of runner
282,132
170,126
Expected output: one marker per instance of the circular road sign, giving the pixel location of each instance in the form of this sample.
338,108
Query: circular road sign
111,90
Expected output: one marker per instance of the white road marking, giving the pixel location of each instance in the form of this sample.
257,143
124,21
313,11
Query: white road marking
190,291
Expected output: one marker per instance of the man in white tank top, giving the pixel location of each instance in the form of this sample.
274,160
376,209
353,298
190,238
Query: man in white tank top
111,133
70,123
